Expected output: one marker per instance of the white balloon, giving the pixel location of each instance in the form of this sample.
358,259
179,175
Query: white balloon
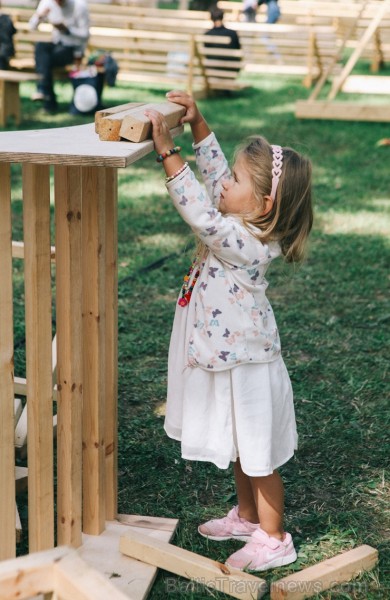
85,97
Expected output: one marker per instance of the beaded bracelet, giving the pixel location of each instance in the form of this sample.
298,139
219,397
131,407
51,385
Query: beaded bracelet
165,155
171,177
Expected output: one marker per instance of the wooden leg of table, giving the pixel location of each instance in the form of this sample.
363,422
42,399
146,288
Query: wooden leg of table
2,104
111,421
69,354
93,265
7,460
12,101
36,220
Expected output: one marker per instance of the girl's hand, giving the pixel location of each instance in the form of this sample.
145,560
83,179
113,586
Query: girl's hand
192,116
160,131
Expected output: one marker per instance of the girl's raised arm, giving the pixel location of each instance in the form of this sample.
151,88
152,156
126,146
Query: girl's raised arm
200,129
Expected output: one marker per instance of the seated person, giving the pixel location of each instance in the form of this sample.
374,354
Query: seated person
273,10
70,20
219,29
7,31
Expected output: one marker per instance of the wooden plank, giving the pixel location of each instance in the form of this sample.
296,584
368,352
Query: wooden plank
7,475
136,127
187,564
36,222
102,552
106,112
77,146
367,35
93,331
29,575
367,84
77,580
18,250
344,111
133,125
111,341
325,575
67,185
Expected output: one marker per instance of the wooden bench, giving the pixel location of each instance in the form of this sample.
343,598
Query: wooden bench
170,59
340,15
9,94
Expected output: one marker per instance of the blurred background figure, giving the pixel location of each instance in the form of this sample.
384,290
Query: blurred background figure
7,31
70,20
249,9
273,10
219,28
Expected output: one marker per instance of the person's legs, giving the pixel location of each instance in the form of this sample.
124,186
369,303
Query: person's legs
47,57
268,494
269,546
247,507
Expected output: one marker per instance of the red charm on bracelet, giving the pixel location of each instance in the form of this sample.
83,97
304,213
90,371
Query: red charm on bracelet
186,291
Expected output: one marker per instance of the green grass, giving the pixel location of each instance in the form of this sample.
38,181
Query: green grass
334,317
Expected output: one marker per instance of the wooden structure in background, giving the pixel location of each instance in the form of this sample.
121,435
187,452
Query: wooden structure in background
313,108
85,197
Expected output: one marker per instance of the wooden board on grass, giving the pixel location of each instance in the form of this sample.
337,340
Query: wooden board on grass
187,564
131,577
325,575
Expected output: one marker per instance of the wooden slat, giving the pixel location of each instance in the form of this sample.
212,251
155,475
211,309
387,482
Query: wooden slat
344,111
69,354
36,221
111,339
325,575
192,566
93,329
7,475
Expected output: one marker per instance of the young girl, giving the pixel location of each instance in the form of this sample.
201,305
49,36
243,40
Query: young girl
229,394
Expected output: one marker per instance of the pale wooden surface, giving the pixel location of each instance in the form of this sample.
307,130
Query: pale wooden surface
153,551
93,331
111,340
69,372
345,111
7,420
36,224
326,574
56,574
130,576
132,124
78,145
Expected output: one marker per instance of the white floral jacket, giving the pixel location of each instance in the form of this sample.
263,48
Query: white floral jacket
234,322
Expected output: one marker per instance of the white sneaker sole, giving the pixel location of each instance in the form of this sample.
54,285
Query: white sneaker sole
216,538
281,561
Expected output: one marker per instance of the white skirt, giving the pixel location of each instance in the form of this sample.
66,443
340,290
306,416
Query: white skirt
245,412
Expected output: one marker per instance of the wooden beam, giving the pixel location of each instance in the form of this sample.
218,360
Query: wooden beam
93,331
18,250
111,342
344,111
367,35
76,580
67,185
325,575
7,419
36,224
211,573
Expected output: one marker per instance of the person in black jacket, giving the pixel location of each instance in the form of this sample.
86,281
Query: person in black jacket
7,31
219,28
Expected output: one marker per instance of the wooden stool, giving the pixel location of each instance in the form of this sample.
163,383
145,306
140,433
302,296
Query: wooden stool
9,94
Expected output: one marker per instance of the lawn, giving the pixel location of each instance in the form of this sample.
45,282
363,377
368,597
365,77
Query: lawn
334,318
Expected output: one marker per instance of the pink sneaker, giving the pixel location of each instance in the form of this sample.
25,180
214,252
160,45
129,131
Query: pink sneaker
263,552
231,527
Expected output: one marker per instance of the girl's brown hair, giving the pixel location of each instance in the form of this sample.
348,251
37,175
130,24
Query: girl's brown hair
291,217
